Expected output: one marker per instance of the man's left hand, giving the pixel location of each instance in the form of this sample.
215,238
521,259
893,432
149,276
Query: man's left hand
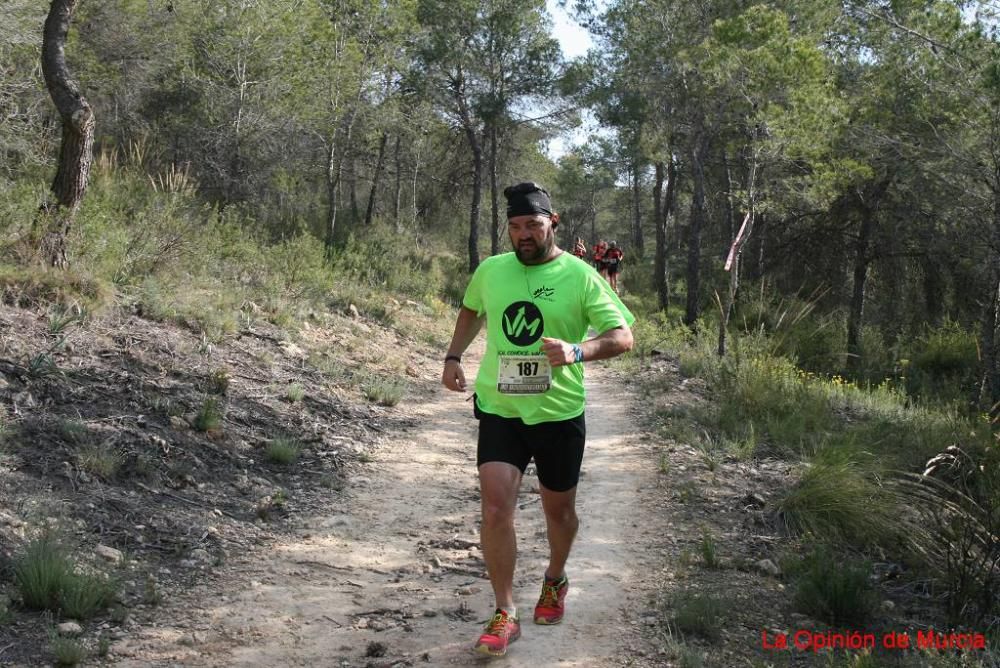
558,351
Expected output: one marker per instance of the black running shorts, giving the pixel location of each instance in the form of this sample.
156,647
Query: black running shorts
557,447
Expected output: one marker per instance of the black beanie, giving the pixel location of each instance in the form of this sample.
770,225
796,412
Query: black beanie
527,199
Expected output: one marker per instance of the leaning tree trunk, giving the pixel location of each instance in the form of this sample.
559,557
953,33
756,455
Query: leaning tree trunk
76,150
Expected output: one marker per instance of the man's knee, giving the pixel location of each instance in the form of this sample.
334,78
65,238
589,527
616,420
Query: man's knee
563,514
496,513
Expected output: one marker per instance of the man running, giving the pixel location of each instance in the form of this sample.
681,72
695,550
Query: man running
537,303
600,248
612,263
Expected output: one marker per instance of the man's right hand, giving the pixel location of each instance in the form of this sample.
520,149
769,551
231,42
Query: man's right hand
453,376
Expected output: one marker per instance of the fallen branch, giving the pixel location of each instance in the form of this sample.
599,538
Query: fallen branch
188,501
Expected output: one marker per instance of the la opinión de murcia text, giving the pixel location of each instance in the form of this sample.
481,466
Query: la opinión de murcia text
806,640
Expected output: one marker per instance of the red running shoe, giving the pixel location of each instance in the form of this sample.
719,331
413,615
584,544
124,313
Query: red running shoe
551,604
501,631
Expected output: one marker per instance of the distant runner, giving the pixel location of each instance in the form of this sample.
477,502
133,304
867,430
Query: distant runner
612,263
537,303
600,248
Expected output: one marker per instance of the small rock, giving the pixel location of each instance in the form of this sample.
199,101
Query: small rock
25,399
429,613
10,521
292,350
336,521
177,422
71,629
888,606
468,591
201,555
768,567
353,311
109,554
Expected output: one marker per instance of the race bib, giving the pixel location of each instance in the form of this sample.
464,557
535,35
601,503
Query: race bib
523,374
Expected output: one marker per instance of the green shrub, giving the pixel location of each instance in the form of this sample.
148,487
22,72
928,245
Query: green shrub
379,258
67,651
832,590
383,391
41,572
295,393
942,364
209,415
73,432
85,594
283,451
218,381
709,552
700,615
837,497
772,393
47,579
30,286
101,460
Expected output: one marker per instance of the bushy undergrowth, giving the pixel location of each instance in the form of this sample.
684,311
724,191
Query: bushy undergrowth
861,449
149,242
837,497
47,578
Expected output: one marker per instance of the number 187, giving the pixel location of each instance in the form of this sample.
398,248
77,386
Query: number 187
528,368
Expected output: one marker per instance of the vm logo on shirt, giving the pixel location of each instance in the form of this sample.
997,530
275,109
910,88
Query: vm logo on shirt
522,323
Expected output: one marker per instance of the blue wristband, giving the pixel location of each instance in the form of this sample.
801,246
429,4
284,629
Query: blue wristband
577,354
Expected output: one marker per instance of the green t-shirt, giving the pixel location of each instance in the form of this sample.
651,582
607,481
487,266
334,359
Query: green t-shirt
558,299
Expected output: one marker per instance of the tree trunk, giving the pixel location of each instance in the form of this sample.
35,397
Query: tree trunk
335,175
352,191
637,241
379,165
477,195
698,152
398,194
76,149
862,260
494,195
991,364
855,317
933,285
663,204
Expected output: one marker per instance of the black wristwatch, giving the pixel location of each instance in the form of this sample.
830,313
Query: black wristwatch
448,358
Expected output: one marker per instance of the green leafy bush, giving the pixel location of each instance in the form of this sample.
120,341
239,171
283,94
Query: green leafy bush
835,591
942,364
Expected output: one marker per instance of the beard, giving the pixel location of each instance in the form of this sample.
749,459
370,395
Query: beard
529,252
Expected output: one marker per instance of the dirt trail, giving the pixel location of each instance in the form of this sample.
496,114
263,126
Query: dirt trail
396,577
